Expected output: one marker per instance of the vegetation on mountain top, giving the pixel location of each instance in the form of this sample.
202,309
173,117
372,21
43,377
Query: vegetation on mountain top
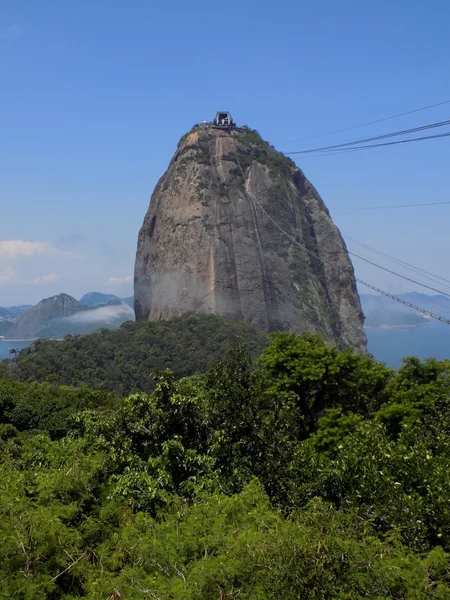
261,151
310,473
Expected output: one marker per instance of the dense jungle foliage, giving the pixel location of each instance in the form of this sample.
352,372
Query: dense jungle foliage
122,360
308,473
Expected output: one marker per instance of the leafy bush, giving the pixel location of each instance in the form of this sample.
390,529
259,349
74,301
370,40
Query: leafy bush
46,407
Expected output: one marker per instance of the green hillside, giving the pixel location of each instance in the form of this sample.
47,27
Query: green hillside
122,360
310,473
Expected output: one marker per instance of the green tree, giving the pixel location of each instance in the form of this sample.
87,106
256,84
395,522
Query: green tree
322,377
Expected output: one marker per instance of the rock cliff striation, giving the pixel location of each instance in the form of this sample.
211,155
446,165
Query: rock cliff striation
234,228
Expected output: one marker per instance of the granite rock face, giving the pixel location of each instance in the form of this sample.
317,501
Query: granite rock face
234,228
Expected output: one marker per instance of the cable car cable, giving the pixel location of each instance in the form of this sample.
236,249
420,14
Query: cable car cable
375,138
393,206
405,302
402,262
357,148
439,291
410,112
399,275
392,296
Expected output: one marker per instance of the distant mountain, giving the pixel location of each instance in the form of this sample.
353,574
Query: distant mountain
31,324
437,303
9,315
129,301
61,315
97,298
4,313
382,312
18,311
6,321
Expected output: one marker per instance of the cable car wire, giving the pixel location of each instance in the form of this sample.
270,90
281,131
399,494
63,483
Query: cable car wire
375,138
409,112
427,274
405,302
424,285
392,206
439,291
357,148
286,234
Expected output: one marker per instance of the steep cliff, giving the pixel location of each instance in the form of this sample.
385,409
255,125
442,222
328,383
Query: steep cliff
234,228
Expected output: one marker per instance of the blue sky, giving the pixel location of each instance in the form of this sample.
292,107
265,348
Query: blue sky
94,97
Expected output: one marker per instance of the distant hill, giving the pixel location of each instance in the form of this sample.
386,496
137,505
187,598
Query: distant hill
94,299
437,303
61,315
384,312
9,315
122,360
97,299
5,314
18,311
31,324
129,301
6,321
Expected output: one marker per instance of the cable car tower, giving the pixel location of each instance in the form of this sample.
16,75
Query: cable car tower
223,120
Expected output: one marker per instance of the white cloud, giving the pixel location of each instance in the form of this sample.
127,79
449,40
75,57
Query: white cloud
103,314
120,280
11,250
8,275
20,248
41,280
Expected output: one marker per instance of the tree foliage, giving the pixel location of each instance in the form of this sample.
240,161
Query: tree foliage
311,473
122,360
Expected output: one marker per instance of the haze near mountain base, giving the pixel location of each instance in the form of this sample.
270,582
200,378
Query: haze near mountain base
212,242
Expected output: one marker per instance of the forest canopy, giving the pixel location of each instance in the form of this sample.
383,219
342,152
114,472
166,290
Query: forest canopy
122,360
305,473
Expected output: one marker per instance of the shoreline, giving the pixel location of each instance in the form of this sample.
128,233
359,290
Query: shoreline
385,327
2,339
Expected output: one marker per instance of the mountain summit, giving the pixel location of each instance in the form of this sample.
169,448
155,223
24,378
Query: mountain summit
31,324
234,228
61,315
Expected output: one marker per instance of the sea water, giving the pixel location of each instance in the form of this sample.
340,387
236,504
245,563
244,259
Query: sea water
6,346
391,345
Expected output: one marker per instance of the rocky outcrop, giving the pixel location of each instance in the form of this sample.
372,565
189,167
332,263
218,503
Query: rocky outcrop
234,228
